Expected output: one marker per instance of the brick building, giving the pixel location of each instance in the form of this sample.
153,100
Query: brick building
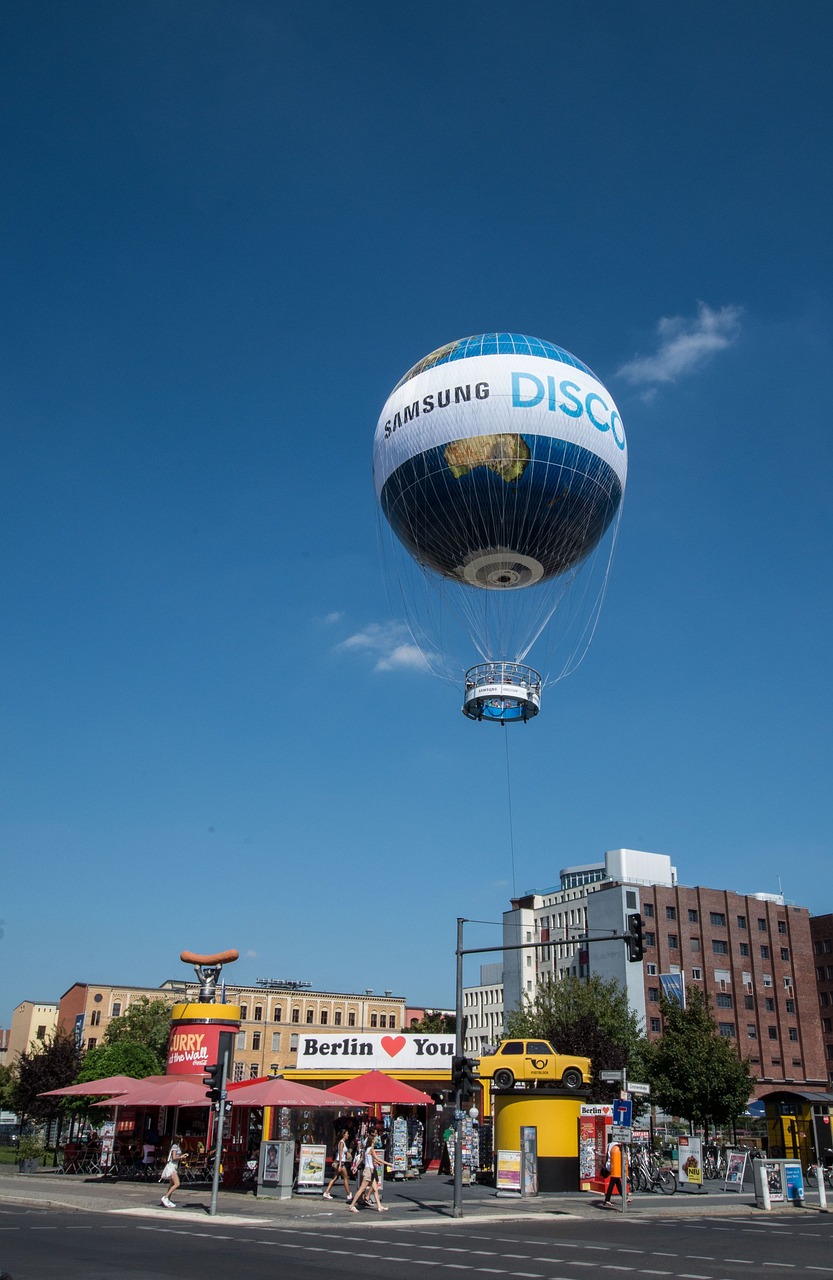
821,932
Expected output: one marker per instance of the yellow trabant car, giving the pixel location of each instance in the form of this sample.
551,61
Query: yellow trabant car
531,1062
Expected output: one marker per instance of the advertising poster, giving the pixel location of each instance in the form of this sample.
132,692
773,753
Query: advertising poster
311,1165
691,1161
508,1172
593,1127
794,1179
271,1163
772,1173
735,1169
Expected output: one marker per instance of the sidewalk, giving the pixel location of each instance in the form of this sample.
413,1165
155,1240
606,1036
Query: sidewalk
421,1201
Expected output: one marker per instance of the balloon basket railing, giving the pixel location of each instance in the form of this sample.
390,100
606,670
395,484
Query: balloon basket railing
502,692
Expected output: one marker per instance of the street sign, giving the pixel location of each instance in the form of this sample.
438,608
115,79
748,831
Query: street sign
611,1076
638,1088
621,1133
622,1113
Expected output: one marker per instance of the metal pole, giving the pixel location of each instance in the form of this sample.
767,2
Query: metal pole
457,1209
218,1141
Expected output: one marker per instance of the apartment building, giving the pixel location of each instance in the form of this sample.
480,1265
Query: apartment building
821,932
33,1021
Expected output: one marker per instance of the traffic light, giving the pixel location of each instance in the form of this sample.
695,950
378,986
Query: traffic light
467,1078
213,1077
457,1072
633,937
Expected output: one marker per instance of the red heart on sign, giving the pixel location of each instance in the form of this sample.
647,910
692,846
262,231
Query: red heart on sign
392,1044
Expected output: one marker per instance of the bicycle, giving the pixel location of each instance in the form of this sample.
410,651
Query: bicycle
647,1174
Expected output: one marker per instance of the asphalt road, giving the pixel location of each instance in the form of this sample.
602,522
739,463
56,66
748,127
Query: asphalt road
38,1244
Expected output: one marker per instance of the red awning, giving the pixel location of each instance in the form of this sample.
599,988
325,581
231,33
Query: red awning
375,1086
161,1091
92,1088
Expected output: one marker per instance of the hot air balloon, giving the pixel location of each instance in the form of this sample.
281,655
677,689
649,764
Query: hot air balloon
499,464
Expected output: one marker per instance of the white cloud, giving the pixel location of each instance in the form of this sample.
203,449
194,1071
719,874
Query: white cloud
332,618
251,955
391,645
685,345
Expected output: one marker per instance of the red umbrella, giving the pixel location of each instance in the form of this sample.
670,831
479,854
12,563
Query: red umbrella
277,1092
162,1091
92,1088
375,1086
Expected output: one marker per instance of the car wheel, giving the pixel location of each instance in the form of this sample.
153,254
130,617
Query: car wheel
572,1078
504,1079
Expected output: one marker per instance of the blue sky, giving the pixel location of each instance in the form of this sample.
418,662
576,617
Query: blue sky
228,230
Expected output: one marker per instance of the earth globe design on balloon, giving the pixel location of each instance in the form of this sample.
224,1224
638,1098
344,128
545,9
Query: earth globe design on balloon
499,464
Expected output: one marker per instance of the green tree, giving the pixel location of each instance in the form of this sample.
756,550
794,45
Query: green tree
434,1024
51,1064
125,1058
588,1016
693,1071
146,1022
6,1087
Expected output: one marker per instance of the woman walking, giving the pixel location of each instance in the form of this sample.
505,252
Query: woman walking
373,1159
171,1172
341,1162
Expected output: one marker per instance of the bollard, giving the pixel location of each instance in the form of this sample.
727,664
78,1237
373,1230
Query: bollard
762,1184
822,1191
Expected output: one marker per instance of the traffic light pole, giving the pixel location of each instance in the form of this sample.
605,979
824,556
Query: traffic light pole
218,1137
457,1208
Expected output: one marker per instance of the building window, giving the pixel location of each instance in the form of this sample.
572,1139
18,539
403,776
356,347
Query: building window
651,970
671,913
293,1042
695,944
764,953
41,1033
793,1033
391,1019
727,1030
648,939
296,1015
373,1020
656,1024
782,926
767,977
653,995
772,1032
785,953
692,916
238,1072
673,942
92,1042
337,1017
95,1018
823,998
117,1008
827,1025
278,1014
697,975
258,1013
723,1001
255,1040
241,1040
751,1031
741,922
830,1051
276,1041
761,924
820,973
351,1019
244,1012
719,947
830,972
310,1016
717,919
253,1071
749,1002
769,1004
744,948
383,1020
324,1017
648,909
